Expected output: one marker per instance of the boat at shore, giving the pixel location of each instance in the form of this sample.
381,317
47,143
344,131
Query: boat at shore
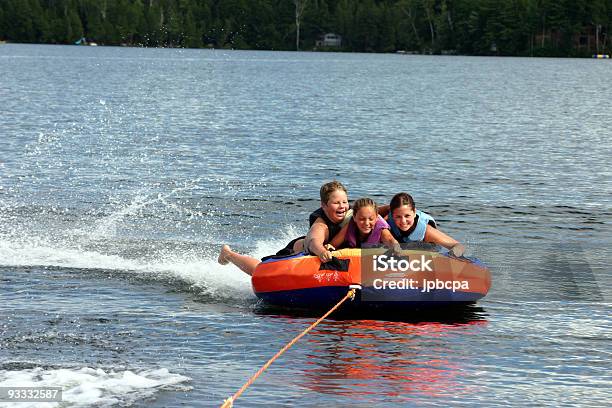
83,41
421,277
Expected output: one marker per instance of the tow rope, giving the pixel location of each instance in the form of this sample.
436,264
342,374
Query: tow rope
228,403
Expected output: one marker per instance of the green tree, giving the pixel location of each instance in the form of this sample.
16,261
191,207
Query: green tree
91,16
386,41
2,25
410,11
152,23
480,27
366,16
19,25
345,22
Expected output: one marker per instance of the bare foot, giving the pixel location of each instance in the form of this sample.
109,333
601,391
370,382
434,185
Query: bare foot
224,254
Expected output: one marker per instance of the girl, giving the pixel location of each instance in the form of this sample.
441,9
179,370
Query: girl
407,224
325,224
365,228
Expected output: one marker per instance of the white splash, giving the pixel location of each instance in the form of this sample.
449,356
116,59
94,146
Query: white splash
204,274
93,387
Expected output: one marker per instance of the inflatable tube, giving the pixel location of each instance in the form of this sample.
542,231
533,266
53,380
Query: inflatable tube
415,278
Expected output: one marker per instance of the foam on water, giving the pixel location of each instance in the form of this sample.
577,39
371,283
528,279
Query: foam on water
272,245
203,274
94,386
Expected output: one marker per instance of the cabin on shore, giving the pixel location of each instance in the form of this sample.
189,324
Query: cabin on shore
332,40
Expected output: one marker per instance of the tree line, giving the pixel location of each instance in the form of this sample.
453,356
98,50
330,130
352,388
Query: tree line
470,27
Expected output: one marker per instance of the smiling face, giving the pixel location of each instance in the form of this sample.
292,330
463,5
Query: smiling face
365,219
403,216
336,207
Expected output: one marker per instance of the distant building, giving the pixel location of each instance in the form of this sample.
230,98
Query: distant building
329,40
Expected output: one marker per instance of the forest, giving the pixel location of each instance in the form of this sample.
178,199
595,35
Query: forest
559,28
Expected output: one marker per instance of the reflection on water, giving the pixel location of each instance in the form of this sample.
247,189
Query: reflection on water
454,314
400,359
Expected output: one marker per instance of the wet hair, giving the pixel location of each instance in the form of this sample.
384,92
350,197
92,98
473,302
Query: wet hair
364,202
399,200
328,188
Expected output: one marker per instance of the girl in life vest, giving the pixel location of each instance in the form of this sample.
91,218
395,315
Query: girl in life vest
325,223
366,228
407,224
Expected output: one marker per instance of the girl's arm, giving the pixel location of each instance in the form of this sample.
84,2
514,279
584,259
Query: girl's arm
383,210
315,238
387,238
337,241
390,242
435,236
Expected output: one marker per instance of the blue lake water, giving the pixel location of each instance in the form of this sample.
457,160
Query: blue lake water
123,170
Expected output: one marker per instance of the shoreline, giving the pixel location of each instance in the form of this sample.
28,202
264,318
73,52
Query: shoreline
330,51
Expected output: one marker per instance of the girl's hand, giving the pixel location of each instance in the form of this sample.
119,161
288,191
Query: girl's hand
330,247
397,249
457,250
325,256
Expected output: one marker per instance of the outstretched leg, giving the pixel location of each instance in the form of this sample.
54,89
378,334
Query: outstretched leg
298,245
246,263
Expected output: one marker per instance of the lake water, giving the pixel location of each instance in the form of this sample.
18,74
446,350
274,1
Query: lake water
123,170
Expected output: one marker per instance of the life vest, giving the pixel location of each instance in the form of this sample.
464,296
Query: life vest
334,229
374,238
418,232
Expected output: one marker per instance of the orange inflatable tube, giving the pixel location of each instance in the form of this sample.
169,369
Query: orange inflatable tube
410,277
